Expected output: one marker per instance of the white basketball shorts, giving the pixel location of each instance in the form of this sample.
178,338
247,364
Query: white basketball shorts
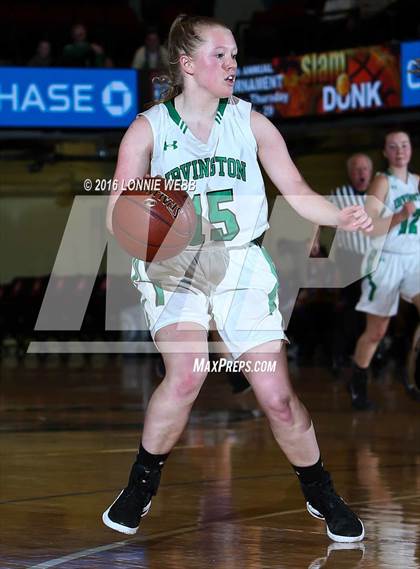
396,275
237,287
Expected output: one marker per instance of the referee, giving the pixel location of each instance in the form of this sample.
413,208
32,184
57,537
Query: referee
351,248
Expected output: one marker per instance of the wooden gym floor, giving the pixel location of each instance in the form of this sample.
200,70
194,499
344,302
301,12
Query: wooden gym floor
228,498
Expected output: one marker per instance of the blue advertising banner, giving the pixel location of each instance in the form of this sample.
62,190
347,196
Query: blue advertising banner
410,82
70,98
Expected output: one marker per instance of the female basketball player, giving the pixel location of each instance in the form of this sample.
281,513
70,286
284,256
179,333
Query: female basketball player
203,132
398,271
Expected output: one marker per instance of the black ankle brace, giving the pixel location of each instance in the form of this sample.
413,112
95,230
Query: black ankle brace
151,461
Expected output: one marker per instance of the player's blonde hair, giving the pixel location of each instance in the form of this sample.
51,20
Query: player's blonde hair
184,39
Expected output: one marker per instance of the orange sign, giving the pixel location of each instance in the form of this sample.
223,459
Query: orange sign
349,80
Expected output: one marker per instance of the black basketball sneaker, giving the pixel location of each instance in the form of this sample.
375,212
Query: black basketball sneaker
134,501
324,504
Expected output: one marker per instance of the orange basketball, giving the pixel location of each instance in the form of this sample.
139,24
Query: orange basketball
153,222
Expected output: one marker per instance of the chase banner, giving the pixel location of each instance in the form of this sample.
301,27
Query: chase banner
348,80
72,98
410,80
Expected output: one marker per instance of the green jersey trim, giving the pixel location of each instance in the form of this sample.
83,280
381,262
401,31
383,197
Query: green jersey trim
173,113
220,110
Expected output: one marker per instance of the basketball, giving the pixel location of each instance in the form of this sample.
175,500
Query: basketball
152,221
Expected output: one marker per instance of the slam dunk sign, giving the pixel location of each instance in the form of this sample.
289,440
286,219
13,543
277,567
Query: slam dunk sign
348,80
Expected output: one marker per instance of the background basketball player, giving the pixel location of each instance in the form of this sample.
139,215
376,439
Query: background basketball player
398,272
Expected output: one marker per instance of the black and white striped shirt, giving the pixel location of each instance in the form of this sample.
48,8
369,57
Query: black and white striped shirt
357,242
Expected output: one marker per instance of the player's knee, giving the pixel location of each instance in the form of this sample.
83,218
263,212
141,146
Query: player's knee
376,334
279,407
187,386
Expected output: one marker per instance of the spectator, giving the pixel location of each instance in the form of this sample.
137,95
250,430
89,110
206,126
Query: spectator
351,249
152,55
340,23
42,56
82,53
335,10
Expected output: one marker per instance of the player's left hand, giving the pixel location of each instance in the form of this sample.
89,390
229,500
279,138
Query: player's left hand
354,218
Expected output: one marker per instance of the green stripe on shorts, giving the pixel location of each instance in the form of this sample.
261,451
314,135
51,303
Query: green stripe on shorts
272,295
369,268
373,287
160,296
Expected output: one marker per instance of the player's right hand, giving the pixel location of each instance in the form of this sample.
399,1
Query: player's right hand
408,209
354,218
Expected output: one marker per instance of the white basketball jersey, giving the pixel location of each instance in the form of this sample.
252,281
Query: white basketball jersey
404,237
229,189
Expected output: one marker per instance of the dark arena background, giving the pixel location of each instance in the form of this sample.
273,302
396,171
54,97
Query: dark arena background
334,77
